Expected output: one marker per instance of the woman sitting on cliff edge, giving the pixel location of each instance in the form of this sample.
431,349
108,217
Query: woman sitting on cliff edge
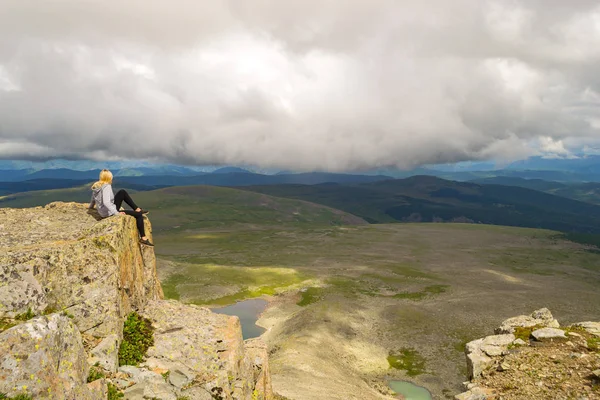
108,204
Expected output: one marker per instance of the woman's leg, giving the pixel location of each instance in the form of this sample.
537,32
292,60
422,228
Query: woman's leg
139,220
121,196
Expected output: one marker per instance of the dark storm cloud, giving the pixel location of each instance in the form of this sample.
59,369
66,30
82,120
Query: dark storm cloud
337,85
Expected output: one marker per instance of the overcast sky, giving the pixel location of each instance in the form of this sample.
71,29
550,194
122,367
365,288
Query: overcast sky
299,84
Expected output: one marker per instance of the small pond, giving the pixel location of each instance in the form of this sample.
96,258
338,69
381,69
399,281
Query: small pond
410,391
248,312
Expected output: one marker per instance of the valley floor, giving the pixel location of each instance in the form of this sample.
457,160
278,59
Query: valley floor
348,300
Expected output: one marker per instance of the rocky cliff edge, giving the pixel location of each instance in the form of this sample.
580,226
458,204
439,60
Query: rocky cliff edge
68,280
532,357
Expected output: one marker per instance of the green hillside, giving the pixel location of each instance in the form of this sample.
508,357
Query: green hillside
430,199
193,207
80,194
588,192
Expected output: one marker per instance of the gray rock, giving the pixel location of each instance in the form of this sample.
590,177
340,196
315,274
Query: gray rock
150,376
98,389
480,352
548,334
542,317
122,383
106,354
519,342
210,345
20,290
596,373
133,372
197,393
178,379
591,327
159,390
504,366
179,374
135,392
45,355
475,393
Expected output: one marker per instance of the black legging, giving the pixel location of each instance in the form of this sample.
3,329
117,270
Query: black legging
121,196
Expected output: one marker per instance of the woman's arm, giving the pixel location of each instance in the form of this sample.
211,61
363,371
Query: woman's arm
107,201
92,202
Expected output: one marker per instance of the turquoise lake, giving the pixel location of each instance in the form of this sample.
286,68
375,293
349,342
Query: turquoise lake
410,391
248,312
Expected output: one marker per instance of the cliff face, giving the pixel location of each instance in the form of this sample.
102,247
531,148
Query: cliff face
79,277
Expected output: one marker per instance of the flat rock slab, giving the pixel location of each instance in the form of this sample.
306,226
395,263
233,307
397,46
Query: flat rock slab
548,334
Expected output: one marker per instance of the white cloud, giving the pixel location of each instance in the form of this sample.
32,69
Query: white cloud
307,84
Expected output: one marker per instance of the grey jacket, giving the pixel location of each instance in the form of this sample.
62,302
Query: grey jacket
104,199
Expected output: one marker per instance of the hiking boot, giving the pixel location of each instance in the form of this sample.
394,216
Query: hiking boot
146,242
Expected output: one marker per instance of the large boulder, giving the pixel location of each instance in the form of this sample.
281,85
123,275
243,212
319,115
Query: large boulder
45,358
481,352
541,318
63,257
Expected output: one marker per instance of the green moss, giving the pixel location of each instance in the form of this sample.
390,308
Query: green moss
408,360
310,296
49,310
5,324
95,374
351,287
114,393
593,343
26,316
525,333
427,291
20,396
137,338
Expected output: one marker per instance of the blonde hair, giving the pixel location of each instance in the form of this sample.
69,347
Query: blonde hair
106,177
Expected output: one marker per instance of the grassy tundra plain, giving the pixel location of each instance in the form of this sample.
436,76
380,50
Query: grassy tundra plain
353,304
351,301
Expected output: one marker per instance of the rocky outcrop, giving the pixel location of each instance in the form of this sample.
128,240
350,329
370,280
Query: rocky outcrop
540,318
61,258
551,362
480,353
79,276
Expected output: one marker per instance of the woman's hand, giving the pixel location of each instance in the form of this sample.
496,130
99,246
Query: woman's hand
122,212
